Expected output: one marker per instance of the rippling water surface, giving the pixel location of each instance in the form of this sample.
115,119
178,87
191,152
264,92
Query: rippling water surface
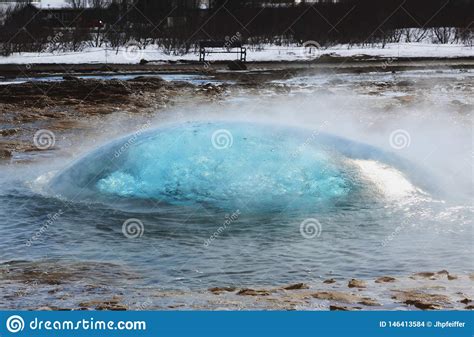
234,203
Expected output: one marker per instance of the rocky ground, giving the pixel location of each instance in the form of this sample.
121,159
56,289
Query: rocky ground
68,105
89,286
77,104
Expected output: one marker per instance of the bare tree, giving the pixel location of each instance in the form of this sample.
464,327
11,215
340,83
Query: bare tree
99,3
443,34
77,3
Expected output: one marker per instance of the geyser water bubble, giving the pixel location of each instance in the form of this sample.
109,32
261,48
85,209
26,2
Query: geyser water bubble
224,164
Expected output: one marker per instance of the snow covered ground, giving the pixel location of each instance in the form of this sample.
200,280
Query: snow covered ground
132,54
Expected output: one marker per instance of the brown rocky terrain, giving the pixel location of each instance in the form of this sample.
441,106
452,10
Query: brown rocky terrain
51,285
69,104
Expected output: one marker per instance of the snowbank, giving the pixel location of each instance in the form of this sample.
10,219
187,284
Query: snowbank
267,53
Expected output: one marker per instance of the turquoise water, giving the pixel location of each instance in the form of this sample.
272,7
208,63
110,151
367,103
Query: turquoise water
224,203
231,213
223,165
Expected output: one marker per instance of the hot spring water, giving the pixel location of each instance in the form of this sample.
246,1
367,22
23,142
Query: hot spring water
226,203
230,165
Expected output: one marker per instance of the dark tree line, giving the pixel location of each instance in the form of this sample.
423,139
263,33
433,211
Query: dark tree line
179,25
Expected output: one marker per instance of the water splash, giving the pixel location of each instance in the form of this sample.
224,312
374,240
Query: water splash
225,165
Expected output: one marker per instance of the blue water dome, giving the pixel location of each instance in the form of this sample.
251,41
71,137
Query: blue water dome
220,164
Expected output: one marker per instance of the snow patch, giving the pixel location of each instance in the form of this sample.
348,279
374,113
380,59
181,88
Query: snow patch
266,53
